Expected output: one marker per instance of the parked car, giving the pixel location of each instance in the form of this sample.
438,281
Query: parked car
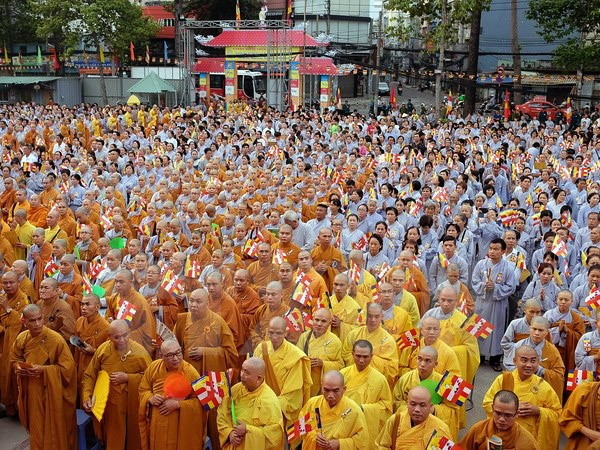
383,88
534,107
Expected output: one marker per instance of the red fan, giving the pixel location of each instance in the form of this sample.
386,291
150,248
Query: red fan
177,386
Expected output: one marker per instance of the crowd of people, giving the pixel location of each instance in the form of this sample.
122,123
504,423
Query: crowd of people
267,280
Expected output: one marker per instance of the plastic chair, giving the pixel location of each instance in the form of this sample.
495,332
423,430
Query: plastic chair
83,420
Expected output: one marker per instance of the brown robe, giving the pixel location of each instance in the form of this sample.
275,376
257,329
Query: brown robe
517,438
228,309
58,316
143,326
74,291
582,409
93,332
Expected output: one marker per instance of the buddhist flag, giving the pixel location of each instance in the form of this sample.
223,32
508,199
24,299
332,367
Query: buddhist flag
383,270
131,51
210,389
443,260
300,427
301,294
438,442
508,217
172,283
294,320
408,339
454,389
145,229
50,269
308,320
279,256
95,268
440,195
577,377
584,258
126,311
361,244
106,222
593,299
559,248
529,200
251,248
238,14
354,272
566,219
477,326
506,105
87,285
193,269
393,98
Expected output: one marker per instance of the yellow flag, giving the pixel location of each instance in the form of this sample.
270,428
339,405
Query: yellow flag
102,54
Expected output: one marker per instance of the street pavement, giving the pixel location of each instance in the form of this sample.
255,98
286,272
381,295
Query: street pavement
362,104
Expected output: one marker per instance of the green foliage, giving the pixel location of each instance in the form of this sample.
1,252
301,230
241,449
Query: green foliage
53,21
559,19
220,10
16,21
430,12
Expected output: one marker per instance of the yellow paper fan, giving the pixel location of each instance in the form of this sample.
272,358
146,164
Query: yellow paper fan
101,394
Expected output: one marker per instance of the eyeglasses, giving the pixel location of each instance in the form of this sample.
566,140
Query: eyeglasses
176,354
506,416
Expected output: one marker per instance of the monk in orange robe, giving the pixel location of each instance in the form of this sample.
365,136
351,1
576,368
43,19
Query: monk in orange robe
289,250
317,288
37,212
7,198
11,306
70,284
168,422
40,253
263,271
246,298
143,326
92,329
125,362
58,315
208,343
327,260
223,305
416,283
273,307
579,419
46,376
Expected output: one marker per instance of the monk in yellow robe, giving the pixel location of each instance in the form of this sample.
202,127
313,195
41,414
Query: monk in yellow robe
344,308
430,335
368,388
396,320
402,297
125,362
142,324
327,260
343,422
579,419
11,306
503,424
361,290
92,329
413,428
462,343
539,406
167,422
318,287
385,354
427,360
259,416
273,307
323,348
287,369
47,380
551,367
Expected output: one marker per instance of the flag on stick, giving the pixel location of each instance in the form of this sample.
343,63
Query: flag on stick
478,326
126,311
454,389
577,377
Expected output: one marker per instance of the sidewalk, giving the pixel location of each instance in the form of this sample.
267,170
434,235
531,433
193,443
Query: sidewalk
14,436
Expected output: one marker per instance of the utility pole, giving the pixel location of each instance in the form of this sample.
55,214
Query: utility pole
473,60
442,57
514,17
375,78
328,11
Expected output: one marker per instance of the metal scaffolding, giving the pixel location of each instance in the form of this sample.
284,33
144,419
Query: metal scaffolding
278,51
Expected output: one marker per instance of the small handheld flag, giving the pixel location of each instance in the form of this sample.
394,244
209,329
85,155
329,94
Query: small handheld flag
209,389
478,326
408,339
50,269
593,299
300,427
294,320
454,389
439,442
126,311
577,377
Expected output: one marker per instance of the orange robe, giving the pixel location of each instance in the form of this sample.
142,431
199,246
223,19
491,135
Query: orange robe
7,198
47,403
10,327
48,198
37,216
211,333
74,291
516,438
227,308
581,409
7,250
261,275
120,420
333,258
260,322
143,326
26,286
291,252
45,255
416,284
184,428
93,332
58,317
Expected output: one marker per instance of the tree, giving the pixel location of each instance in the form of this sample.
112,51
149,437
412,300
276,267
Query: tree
114,24
444,17
16,22
579,24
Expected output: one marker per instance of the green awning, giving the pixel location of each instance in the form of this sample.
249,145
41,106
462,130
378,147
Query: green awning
151,84
26,80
